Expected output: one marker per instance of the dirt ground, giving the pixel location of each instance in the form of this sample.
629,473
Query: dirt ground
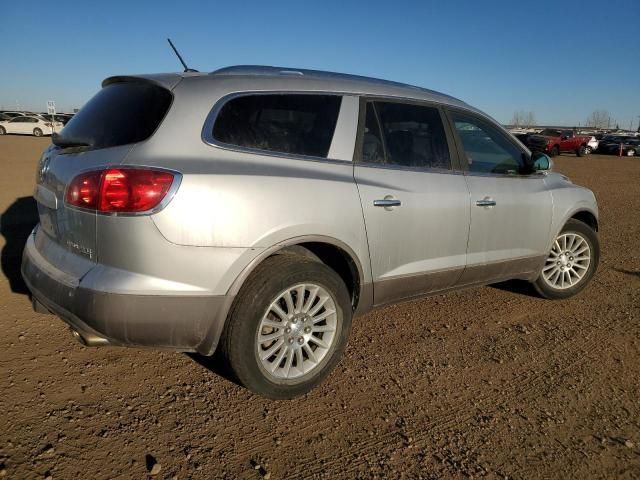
492,382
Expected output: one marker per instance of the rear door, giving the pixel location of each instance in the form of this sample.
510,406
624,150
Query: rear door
414,199
510,211
100,135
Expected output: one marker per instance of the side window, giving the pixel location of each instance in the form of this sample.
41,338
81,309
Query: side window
486,149
413,135
286,123
18,119
372,148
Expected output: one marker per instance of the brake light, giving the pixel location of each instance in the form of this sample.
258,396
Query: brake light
119,190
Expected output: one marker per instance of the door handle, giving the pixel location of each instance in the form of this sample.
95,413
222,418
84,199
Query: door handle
387,202
486,202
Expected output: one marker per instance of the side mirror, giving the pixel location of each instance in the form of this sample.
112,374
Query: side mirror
540,162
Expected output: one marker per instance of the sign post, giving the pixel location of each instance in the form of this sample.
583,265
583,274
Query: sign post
51,110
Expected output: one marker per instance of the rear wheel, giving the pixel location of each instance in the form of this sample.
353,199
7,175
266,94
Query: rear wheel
288,327
2,131
555,151
37,132
582,151
572,262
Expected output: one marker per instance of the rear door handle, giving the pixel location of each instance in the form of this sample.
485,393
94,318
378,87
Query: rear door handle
486,202
387,202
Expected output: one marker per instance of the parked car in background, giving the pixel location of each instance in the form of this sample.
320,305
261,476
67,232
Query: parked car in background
592,145
523,137
626,146
58,117
12,114
4,117
553,142
255,210
30,125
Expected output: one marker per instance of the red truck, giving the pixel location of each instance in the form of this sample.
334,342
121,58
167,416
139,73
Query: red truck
553,141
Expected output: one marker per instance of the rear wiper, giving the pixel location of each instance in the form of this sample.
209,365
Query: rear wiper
67,143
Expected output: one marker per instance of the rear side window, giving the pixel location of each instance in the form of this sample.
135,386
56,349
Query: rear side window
295,124
413,136
119,114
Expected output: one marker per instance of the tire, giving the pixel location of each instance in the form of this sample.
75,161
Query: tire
588,150
582,151
254,305
2,131
555,287
555,151
631,152
37,132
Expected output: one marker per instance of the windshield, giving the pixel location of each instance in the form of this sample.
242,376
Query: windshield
119,114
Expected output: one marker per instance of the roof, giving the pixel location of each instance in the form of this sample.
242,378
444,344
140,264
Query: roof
357,82
258,77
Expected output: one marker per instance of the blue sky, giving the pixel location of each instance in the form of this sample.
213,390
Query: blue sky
559,59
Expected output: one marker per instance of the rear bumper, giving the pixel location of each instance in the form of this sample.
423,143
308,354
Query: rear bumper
190,323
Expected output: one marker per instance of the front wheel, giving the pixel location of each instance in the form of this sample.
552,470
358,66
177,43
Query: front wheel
288,327
572,262
37,132
555,151
588,150
2,131
582,151
631,152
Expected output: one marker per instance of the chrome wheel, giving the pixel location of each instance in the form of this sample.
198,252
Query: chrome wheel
568,261
588,150
631,153
297,331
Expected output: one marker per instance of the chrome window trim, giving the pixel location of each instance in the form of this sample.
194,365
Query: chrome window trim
207,129
173,189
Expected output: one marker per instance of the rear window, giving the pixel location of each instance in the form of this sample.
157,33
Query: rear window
285,123
119,114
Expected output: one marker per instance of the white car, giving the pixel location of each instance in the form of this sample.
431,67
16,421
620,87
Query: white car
30,125
592,145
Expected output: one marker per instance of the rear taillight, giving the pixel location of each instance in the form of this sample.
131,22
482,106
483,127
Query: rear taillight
119,190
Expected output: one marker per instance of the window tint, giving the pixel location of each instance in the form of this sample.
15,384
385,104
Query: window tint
413,135
290,123
486,149
119,114
372,149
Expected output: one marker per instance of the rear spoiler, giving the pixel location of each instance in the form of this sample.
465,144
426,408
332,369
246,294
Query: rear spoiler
165,80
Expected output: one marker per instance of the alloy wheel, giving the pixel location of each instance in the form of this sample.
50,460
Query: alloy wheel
297,331
568,261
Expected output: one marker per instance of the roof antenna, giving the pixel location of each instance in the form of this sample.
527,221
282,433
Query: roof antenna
186,69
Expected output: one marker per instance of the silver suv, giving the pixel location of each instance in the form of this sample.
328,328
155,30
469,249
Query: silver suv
254,211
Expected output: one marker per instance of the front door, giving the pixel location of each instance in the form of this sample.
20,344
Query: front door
415,202
510,209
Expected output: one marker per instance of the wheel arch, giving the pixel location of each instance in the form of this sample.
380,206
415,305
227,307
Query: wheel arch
334,253
587,217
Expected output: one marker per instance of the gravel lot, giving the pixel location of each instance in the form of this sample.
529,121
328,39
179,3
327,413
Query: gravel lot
489,382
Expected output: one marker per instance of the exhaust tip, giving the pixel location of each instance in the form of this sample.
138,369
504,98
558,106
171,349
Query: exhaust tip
89,340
